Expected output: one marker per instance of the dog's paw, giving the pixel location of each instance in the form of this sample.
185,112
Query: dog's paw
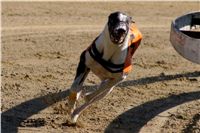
74,118
68,123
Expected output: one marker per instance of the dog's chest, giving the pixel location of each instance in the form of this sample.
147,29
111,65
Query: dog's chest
99,70
110,52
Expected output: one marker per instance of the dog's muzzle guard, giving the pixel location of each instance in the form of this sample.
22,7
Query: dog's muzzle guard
118,32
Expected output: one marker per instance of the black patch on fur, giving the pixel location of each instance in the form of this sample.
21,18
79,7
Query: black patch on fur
82,68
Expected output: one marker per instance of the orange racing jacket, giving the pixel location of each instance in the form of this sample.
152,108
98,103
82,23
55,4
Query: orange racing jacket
134,42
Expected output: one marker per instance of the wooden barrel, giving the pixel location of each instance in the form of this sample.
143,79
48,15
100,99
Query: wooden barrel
185,36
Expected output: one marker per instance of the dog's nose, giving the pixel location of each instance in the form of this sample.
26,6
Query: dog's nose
121,31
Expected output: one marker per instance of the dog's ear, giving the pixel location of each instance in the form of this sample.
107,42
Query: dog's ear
130,20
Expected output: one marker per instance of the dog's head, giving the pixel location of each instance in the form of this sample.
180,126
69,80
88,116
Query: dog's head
118,26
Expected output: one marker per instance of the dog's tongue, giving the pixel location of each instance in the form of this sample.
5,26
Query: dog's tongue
118,40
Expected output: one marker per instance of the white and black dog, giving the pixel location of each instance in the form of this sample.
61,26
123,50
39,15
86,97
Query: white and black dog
109,57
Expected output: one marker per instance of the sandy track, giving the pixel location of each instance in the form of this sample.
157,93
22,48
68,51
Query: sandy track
41,44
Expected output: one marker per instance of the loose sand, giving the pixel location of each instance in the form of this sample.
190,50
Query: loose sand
41,45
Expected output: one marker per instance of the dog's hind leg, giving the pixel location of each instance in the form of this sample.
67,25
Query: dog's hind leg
76,88
104,89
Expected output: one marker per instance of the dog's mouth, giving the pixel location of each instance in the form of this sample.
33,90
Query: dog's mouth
118,34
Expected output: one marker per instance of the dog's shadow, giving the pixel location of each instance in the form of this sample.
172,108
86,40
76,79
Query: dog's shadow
15,116
134,119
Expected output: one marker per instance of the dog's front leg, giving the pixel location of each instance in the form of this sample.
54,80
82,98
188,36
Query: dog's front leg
105,88
76,88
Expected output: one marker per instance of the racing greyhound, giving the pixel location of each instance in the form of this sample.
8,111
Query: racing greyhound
108,57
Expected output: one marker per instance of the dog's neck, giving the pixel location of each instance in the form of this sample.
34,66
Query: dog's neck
112,52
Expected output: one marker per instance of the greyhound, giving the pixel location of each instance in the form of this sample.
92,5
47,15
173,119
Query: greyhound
108,57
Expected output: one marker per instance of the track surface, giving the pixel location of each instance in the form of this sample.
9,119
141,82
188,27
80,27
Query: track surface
41,44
